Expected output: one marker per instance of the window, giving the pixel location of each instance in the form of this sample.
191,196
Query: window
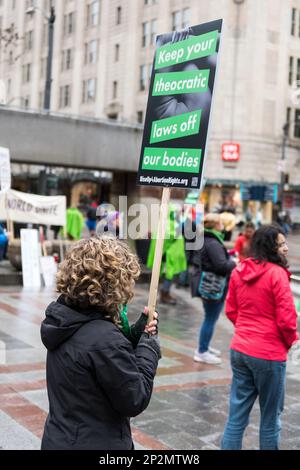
288,118
119,15
91,52
186,17
293,21
297,124
176,20
298,72
89,90
181,19
41,100
153,31
140,117
43,65
143,75
26,73
26,101
10,58
117,52
8,86
28,41
93,13
145,34
66,59
28,4
291,67
69,23
45,35
65,96
115,90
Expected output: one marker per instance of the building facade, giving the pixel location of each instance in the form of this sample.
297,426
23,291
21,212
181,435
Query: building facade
102,60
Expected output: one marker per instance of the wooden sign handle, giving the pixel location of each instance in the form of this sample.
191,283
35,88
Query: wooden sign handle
161,230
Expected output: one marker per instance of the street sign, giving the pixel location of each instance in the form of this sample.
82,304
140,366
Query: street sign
179,104
230,152
5,170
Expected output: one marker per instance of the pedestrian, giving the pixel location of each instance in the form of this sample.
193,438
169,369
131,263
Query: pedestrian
261,307
242,243
91,218
173,257
3,242
215,266
100,371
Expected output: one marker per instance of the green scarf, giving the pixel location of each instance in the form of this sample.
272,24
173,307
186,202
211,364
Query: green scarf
125,327
216,233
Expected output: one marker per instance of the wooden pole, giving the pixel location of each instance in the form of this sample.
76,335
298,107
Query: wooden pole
161,230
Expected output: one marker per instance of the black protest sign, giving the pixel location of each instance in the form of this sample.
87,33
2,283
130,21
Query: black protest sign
179,105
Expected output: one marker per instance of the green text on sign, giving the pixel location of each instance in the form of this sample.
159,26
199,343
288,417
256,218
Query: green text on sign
189,49
173,159
173,83
175,127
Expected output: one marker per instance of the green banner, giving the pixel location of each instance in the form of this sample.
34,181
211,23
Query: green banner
186,50
174,159
174,83
175,127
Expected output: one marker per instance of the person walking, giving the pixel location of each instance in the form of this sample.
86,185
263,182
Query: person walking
215,265
100,371
173,257
261,307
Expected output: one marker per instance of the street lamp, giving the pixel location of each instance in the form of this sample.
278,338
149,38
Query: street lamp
51,20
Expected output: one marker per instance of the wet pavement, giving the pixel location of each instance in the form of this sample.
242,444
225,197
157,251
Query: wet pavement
189,404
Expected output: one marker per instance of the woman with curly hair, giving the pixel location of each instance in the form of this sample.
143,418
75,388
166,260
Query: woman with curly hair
261,307
100,371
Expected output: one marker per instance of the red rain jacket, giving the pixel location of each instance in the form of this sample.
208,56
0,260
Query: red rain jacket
260,305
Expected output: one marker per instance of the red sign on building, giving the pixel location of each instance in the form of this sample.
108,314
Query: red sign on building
230,152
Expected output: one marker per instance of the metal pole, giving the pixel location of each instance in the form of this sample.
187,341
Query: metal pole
51,21
284,141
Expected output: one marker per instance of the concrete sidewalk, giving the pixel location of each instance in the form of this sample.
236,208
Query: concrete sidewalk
189,404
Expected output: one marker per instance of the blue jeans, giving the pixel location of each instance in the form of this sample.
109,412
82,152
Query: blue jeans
212,312
166,285
252,378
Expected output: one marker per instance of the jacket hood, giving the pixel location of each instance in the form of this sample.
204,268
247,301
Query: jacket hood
250,270
62,321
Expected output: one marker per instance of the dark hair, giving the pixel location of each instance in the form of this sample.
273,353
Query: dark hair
250,225
264,245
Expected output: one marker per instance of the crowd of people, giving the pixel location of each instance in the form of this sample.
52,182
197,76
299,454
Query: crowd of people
100,369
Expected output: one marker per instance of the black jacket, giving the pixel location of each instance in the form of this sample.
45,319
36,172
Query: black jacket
213,257
95,380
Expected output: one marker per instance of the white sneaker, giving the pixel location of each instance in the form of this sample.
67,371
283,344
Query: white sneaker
206,357
214,351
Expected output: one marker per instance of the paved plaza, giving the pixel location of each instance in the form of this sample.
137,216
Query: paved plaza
189,404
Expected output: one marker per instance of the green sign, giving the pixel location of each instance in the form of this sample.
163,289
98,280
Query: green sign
174,159
179,103
183,51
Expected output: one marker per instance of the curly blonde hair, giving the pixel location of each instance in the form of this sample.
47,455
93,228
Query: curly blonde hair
98,272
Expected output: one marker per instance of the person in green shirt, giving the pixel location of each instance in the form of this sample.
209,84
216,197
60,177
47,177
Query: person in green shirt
173,256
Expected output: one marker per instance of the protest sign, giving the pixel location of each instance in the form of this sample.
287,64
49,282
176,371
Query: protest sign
32,208
179,106
30,253
177,119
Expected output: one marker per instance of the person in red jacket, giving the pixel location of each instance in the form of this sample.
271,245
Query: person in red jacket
243,241
260,305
